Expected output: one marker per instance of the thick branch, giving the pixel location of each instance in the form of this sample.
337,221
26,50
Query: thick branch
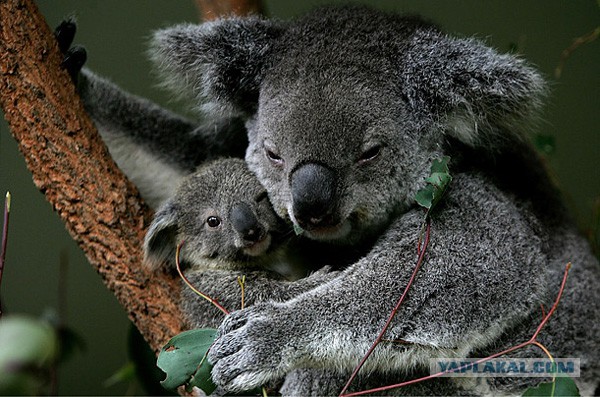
212,9
102,210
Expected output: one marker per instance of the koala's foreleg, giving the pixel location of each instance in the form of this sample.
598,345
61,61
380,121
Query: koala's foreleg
474,284
259,286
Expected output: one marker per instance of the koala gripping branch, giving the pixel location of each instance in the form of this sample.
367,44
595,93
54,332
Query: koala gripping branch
70,164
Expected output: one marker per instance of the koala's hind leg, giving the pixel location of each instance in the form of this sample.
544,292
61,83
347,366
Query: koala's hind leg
154,146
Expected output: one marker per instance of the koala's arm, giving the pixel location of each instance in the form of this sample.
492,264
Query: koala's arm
484,271
259,286
152,145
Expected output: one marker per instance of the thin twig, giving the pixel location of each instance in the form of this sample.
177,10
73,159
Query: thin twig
187,282
242,282
4,239
421,251
578,42
532,341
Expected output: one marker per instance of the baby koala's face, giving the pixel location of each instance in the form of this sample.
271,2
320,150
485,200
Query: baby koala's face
224,216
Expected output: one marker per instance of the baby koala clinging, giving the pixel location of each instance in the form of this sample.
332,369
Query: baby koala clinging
224,218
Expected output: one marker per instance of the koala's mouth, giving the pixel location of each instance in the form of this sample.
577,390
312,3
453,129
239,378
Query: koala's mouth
325,233
259,247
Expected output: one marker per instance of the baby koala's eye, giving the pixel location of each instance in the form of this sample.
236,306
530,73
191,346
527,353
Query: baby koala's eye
369,154
213,221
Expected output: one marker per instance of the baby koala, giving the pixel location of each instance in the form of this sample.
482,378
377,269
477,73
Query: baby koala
229,230
222,216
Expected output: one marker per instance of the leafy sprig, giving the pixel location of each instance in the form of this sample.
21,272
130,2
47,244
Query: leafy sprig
437,182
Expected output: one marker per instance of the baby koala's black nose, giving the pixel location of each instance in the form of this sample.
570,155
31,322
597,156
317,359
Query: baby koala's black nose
245,222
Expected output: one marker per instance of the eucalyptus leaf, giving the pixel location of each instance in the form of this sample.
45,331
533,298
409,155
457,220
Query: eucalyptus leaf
183,359
437,182
298,230
424,197
562,386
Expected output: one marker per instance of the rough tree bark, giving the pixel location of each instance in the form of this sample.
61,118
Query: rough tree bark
70,164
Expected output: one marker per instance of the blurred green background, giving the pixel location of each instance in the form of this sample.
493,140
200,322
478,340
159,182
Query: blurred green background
115,33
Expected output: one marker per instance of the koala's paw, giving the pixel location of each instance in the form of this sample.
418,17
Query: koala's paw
74,57
253,347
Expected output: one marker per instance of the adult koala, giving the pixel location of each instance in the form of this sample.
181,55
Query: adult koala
345,109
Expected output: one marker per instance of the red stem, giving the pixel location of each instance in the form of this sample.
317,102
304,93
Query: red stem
4,239
394,311
531,341
555,305
189,284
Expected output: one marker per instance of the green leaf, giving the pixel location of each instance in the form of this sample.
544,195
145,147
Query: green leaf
298,230
563,386
144,362
545,144
437,183
183,359
424,197
124,374
28,348
201,377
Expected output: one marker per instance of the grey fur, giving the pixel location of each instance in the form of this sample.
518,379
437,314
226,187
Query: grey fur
211,192
154,146
375,98
215,258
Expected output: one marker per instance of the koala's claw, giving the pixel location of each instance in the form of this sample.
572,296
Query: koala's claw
65,33
74,60
247,352
74,57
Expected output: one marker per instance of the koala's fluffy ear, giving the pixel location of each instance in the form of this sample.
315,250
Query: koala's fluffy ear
221,62
476,94
160,242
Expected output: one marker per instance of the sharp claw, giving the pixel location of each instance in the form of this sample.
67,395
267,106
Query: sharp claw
65,33
232,322
74,60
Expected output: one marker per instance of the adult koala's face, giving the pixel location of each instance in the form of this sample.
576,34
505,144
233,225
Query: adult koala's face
332,149
347,107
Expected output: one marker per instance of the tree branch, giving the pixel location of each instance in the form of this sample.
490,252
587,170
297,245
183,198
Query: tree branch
70,164
212,9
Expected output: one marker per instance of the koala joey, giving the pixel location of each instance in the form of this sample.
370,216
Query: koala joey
340,114
221,216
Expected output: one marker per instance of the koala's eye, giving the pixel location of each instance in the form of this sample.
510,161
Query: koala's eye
369,154
213,221
273,156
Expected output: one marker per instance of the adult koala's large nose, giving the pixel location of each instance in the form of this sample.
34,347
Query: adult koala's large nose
314,188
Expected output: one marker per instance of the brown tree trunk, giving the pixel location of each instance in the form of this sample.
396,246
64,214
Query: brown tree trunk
212,9
70,164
